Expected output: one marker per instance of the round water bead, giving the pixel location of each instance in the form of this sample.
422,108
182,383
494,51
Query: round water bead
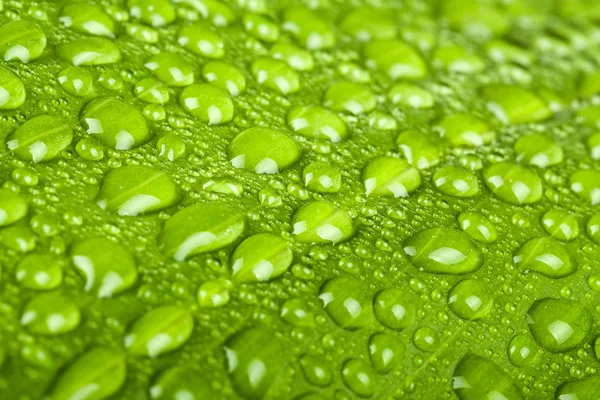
115,123
589,116
45,225
25,176
410,95
13,207
276,75
171,69
546,256
592,226
89,51
207,103
41,138
216,11
559,325
50,313
395,58
213,294
515,105
154,112
359,377
443,251
462,129
456,181
366,23
295,57
171,147
111,80
470,300
96,374
199,229
394,309
39,272
354,72
108,268
12,90
385,351
586,183
117,13
142,33
21,40
315,371
77,81
87,18
89,150
426,339
260,258
585,389
538,150
560,225
478,227
322,177
152,12
224,186
594,284
181,383
201,41
513,183
321,222
152,91
269,198
249,351
347,302
391,177
261,27
502,51
224,76
421,149
522,350
349,97
477,378
264,150
317,122
297,312
160,330
308,29
457,59
380,120
18,238
593,141
480,21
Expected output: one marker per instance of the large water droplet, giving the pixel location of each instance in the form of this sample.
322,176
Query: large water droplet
108,268
559,325
321,222
443,251
254,358
546,256
347,302
199,229
160,330
115,123
476,378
